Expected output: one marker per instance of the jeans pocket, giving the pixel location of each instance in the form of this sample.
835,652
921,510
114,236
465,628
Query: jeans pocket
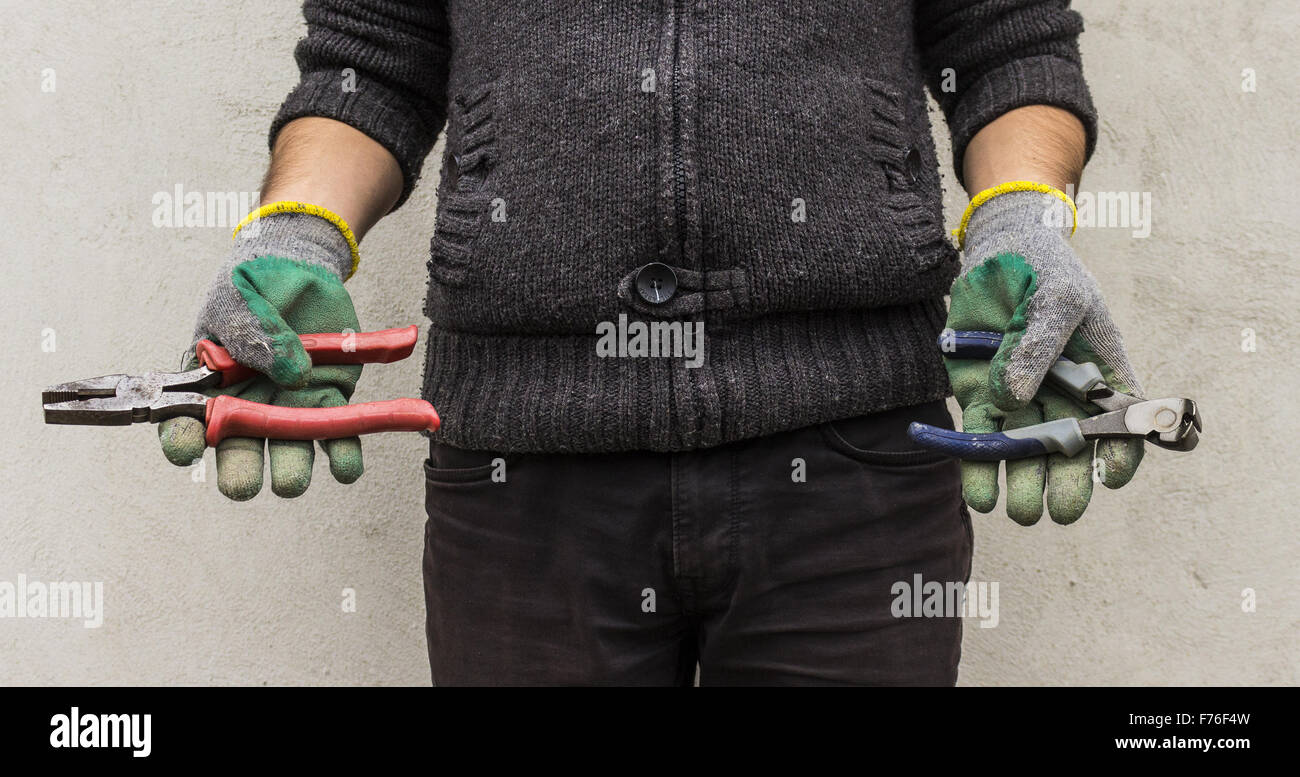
881,439
447,465
970,538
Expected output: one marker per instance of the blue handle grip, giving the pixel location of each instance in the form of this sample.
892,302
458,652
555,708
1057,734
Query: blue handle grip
1081,381
970,345
993,446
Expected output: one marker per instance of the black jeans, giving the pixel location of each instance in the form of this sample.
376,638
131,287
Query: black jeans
767,561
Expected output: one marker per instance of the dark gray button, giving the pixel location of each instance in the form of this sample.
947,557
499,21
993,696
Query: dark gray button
913,165
656,283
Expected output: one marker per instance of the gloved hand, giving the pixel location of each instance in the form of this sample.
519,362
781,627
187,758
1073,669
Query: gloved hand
284,278
1021,278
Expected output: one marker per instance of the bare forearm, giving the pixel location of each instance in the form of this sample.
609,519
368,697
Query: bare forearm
330,164
1036,143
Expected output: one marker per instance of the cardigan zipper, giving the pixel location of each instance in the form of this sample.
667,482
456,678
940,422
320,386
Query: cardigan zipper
678,162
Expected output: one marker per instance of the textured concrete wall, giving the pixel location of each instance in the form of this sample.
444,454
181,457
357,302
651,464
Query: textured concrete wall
1147,588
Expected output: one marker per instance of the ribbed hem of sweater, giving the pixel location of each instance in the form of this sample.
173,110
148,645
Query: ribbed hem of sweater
381,113
1045,80
552,393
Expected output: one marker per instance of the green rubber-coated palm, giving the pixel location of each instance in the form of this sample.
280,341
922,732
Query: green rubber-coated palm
288,298
991,297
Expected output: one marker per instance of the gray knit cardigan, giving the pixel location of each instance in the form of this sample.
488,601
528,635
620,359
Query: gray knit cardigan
763,169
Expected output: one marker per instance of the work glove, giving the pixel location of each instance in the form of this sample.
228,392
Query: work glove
284,278
1020,277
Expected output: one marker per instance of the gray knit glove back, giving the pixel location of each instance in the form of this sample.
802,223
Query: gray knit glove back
280,260
1066,297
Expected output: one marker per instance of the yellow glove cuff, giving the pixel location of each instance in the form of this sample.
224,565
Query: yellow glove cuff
1012,186
292,206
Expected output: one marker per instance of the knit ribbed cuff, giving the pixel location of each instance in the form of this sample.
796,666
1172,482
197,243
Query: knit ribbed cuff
1045,80
370,107
302,237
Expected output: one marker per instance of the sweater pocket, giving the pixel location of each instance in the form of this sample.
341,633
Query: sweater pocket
546,200
907,180
464,199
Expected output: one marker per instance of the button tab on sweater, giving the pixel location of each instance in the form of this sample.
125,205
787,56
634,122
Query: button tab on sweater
656,283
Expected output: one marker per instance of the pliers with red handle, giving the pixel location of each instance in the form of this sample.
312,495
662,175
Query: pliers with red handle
120,400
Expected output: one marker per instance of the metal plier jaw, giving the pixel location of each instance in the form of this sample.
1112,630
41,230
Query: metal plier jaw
1173,423
120,400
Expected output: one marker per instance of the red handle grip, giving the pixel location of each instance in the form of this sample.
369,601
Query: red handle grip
229,416
382,347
